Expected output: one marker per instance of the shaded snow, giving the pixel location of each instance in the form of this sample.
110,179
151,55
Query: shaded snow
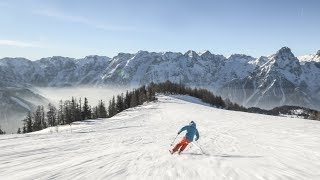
190,99
21,103
134,145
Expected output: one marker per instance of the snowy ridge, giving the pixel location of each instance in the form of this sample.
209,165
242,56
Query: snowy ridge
267,81
134,145
310,57
280,79
127,69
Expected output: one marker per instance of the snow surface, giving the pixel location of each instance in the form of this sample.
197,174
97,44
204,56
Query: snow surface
309,58
20,103
134,145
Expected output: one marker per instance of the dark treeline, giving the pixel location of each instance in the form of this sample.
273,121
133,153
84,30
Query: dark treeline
203,94
77,110
208,97
67,112
1,131
306,113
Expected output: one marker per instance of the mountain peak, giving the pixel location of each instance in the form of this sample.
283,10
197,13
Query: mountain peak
318,53
191,53
123,55
285,62
284,50
206,54
285,53
240,57
95,58
142,52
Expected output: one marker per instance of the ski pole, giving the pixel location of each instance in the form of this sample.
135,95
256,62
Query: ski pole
189,147
198,147
174,140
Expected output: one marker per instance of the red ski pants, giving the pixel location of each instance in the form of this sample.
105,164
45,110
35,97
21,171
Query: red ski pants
181,145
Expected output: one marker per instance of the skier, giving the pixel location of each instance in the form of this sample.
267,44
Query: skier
188,138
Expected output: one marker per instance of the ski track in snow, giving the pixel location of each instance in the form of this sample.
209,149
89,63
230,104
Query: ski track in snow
134,145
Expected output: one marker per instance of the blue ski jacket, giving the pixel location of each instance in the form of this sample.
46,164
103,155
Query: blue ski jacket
191,132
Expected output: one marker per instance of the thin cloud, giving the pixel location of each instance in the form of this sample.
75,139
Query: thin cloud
301,12
84,21
6,42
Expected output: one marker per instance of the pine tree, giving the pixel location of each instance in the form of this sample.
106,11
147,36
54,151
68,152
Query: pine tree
1,131
43,118
37,124
80,108
67,112
78,112
61,118
150,93
228,103
127,101
102,112
27,127
86,112
133,99
318,115
120,104
142,97
73,110
110,113
24,129
95,112
113,107
19,131
52,115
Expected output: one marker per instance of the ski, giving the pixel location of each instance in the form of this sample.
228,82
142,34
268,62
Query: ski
170,152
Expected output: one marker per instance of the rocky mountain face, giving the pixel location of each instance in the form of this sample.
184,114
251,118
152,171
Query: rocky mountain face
15,103
191,68
280,80
266,82
53,71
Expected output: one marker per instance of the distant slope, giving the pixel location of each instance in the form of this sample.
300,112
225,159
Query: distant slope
14,104
134,145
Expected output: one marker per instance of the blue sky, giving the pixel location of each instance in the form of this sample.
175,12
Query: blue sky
76,28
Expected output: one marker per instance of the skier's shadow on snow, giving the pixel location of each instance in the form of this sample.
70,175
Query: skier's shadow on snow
222,155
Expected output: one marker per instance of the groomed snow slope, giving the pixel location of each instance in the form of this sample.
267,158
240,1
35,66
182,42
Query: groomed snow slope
134,145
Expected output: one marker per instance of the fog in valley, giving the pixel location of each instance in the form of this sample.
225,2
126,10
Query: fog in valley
11,119
93,94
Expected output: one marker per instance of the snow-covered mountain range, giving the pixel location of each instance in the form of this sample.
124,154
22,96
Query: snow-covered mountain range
278,79
267,81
